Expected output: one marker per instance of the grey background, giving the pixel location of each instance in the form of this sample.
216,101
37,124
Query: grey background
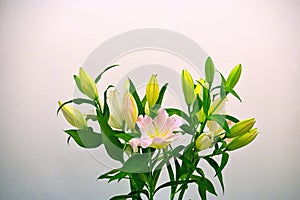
43,43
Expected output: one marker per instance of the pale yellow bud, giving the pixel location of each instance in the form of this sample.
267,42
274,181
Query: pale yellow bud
88,85
73,116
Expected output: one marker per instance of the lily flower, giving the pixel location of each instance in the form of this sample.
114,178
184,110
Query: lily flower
158,132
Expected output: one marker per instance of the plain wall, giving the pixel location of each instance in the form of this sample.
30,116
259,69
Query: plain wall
43,43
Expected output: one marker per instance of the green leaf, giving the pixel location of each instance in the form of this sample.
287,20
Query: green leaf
224,161
77,101
206,100
138,163
107,174
112,145
125,136
235,94
231,118
215,166
172,183
221,120
85,138
161,94
100,75
209,70
130,195
105,106
136,97
187,129
197,105
222,86
174,111
91,117
119,176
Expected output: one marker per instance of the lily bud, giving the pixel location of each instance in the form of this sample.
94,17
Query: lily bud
242,140
187,87
201,115
88,85
209,70
203,142
152,91
73,116
234,76
241,127
116,117
130,111
199,88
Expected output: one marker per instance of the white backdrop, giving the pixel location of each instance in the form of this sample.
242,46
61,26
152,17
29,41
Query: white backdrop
43,43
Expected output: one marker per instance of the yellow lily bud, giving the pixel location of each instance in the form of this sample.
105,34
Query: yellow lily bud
88,85
203,141
73,116
234,76
199,88
242,140
187,87
152,91
130,111
201,115
241,127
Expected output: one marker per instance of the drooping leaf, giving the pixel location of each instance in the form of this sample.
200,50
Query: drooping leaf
215,166
231,118
77,101
138,163
171,183
108,174
85,138
174,111
105,106
113,146
187,129
224,161
235,94
100,75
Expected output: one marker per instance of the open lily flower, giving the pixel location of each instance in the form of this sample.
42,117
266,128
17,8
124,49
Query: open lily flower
157,132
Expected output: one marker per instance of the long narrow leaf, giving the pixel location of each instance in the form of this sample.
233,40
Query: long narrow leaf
161,94
77,101
100,75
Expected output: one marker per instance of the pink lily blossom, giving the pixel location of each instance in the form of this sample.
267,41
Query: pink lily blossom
157,132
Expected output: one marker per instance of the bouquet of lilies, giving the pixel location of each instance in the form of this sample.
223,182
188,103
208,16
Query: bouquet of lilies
139,133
